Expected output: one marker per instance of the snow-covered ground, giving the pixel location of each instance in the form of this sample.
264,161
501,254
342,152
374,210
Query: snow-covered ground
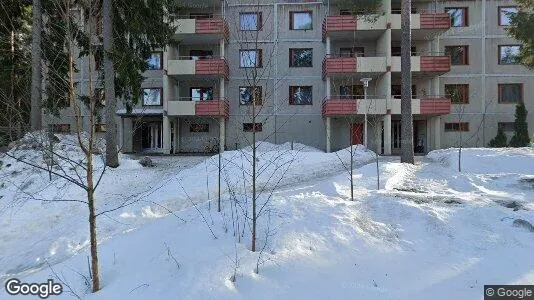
430,232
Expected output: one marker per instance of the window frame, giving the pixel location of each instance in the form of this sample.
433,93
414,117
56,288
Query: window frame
255,127
465,19
152,88
292,94
456,127
464,87
259,58
499,61
259,90
292,21
160,67
521,96
499,12
292,57
259,20
465,56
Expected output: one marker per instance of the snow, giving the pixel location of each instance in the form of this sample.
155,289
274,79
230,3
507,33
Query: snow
429,232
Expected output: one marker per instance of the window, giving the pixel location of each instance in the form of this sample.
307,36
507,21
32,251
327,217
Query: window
200,54
511,93
100,127
201,93
396,91
249,127
250,58
199,127
152,96
155,61
459,93
350,91
396,51
300,58
506,126
246,95
459,54
300,20
352,51
60,128
458,16
504,14
509,54
250,21
300,95
457,126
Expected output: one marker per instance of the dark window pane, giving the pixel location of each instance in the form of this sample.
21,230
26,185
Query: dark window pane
458,54
199,128
249,127
301,57
506,126
510,93
300,95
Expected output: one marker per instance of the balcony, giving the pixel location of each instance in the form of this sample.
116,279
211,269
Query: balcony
342,27
186,67
424,65
347,65
425,25
186,106
425,105
195,30
347,105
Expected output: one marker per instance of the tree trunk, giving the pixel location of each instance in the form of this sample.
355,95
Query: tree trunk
112,156
95,273
35,121
407,153
254,216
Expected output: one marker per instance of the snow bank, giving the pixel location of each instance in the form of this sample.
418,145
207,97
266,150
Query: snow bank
483,160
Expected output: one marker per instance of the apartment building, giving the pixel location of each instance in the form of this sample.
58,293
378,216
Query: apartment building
311,60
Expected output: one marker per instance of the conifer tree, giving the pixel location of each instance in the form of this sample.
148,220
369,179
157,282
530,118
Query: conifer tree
520,138
500,140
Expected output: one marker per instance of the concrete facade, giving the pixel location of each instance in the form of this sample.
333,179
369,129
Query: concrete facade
331,121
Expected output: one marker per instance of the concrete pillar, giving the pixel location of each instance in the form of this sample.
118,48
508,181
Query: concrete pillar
166,135
328,46
176,138
436,126
387,134
222,47
222,133
328,135
222,90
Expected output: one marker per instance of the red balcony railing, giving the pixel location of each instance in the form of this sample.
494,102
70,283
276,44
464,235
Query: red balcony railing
435,105
339,65
212,108
212,66
216,25
339,23
440,64
435,21
339,106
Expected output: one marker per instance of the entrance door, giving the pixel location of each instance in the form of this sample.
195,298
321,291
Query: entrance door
357,134
152,136
395,135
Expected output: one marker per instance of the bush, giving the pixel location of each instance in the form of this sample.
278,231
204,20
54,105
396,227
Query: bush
520,138
500,140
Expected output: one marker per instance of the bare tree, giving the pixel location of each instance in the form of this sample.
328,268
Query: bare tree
407,151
